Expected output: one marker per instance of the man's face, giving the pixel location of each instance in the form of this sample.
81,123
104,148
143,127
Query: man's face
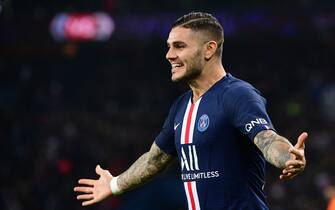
186,54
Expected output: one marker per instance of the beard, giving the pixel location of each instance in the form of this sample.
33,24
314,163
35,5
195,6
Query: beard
193,68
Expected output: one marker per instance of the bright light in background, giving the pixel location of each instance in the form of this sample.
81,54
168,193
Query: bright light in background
82,27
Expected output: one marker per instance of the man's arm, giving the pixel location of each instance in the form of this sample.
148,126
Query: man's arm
147,166
144,168
278,151
274,147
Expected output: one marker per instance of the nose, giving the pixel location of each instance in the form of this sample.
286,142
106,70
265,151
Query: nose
170,55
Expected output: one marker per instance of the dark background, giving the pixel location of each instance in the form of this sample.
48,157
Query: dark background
67,106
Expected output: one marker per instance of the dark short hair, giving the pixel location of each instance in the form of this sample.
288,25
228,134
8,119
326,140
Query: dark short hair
202,21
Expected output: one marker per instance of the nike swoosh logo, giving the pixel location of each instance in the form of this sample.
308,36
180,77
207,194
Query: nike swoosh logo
176,126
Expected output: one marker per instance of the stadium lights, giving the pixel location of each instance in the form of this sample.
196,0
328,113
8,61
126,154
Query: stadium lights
82,27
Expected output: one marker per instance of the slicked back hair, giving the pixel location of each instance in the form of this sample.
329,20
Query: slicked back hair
205,22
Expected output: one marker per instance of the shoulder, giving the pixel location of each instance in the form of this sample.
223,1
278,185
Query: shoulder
240,87
237,89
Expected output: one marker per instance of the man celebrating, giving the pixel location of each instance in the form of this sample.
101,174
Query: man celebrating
219,130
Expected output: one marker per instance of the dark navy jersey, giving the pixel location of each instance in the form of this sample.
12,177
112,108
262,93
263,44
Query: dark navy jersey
221,167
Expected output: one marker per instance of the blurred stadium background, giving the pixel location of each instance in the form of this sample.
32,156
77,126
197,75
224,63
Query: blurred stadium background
78,98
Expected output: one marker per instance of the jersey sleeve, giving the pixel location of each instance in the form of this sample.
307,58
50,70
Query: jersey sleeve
248,111
165,139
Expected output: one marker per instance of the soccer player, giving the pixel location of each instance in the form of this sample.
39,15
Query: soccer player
219,130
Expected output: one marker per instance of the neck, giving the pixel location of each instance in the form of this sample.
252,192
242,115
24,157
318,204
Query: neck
206,80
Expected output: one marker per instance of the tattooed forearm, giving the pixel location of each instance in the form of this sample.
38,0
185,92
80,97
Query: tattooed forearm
144,168
274,147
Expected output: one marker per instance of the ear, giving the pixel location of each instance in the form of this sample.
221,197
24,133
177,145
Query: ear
210,50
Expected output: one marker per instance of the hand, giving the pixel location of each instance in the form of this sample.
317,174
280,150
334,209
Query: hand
298,162
94,191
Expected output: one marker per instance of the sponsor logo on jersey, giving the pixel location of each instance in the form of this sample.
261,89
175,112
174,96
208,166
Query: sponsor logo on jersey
200,175
190,161
203,123
253,123
190,164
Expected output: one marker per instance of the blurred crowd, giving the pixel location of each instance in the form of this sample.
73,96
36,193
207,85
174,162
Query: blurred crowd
65,107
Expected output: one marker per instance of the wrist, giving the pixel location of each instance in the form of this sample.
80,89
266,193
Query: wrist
114,186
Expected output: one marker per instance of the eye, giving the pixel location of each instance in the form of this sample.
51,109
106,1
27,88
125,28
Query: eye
180,46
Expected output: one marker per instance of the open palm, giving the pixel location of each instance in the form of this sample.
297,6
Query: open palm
93,191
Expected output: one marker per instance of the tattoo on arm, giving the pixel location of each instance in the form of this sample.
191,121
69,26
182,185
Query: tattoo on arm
144,168
274,147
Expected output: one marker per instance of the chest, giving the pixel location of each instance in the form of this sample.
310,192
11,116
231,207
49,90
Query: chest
202,123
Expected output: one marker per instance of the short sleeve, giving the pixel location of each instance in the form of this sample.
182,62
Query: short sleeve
248,111
165,139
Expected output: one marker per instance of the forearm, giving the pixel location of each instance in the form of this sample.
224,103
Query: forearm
144,168
274,147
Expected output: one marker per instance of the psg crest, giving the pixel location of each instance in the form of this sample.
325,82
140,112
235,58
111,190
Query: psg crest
203,123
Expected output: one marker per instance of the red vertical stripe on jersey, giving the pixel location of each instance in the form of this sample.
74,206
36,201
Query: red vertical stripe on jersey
188,125
189,186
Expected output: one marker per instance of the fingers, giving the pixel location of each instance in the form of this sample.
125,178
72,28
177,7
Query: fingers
87,203
85,197
89,199
288,176
284,176
92,191
297,154
83,189
293,170
89,182
99,170
301,141
294,164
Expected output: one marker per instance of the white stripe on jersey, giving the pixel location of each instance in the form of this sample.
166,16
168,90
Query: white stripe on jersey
183,129
190,187
189,204
194,116
195,194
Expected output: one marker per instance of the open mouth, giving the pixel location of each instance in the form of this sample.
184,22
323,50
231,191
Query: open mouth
175,66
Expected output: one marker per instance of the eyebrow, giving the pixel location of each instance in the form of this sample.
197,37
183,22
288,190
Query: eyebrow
175,43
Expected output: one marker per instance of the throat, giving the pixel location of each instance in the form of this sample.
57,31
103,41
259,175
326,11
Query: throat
197,93
195,98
